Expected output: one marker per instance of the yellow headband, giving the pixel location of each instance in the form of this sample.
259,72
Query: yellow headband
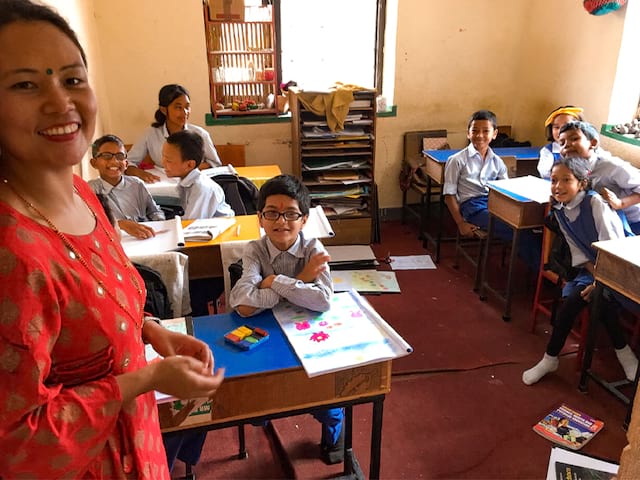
573,111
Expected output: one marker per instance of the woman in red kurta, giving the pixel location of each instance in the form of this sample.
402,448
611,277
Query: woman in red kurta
77,395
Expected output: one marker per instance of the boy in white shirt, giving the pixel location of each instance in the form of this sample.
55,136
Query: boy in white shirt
129,200
200,196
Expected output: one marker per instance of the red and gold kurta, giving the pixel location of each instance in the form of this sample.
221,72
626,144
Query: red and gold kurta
63,339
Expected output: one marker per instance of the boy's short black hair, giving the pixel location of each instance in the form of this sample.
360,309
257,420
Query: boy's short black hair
586,128
109,138
190,144
483,115
285,185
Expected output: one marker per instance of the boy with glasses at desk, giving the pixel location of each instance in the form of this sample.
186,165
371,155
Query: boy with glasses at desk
129,200
284,265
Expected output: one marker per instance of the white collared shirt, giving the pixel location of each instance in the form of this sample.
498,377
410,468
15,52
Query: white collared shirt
466,174
153,139
129,199
202,197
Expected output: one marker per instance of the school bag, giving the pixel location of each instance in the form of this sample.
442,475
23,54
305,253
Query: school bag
157,302
239,192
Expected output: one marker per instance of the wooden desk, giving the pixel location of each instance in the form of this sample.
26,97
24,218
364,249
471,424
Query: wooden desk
618,268
519,213
205,260
435,161
284,388
259,174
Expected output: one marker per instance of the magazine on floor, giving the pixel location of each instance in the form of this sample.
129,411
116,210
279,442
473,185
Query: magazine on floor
565,464
568,427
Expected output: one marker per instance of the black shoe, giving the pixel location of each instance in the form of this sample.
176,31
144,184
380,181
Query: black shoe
332,454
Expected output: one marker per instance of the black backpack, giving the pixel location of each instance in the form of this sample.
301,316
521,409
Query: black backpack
239,192
157,302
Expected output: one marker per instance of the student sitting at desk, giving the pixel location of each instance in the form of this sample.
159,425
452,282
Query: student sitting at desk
174,107
128,198
550,153
584,217
466,175
200,196
616,180
284,265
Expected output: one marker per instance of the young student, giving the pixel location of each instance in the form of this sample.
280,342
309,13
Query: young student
550,153
584,217
616,180
129,200
174,107
200,196
77,395
466,175
284,265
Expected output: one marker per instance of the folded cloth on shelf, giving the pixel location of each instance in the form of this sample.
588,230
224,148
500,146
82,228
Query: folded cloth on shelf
333,104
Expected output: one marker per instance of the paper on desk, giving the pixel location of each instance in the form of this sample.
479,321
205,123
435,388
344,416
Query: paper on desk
364,281
527,188
169,236
351,333
412,262
165,187
206,229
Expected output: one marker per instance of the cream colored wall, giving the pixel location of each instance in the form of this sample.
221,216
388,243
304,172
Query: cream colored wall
516,57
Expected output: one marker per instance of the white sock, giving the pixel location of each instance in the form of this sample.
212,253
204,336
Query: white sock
629,362
548,364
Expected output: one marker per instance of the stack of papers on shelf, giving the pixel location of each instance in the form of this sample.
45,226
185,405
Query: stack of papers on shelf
351,333
311,164
206,229
169,236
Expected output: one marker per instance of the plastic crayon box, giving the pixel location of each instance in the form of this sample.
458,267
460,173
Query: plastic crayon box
246,337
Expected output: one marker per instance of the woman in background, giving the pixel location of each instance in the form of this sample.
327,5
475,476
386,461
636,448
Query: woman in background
174,108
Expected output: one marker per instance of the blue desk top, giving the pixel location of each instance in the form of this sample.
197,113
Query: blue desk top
275,354
521,153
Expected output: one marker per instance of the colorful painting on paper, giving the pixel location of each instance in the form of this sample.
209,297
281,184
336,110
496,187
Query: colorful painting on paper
370,281
345,336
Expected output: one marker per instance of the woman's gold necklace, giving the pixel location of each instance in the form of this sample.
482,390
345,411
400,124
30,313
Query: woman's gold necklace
127,264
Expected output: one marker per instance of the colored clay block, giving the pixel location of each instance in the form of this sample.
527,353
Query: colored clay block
260,332
244,345
245,330
232,337
251,339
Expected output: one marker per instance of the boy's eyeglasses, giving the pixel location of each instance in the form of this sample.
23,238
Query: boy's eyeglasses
108,156
274,216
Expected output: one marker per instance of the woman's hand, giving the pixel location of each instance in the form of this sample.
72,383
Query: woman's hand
185,377
168,343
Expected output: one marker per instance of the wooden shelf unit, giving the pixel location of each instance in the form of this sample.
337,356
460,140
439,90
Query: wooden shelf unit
315,155
242,64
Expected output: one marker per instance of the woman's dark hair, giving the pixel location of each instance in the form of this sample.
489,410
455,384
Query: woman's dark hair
579,167
190,144
167,94
109,138
285,185
483,115
27,11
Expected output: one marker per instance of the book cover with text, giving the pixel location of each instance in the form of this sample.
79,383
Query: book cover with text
568,427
